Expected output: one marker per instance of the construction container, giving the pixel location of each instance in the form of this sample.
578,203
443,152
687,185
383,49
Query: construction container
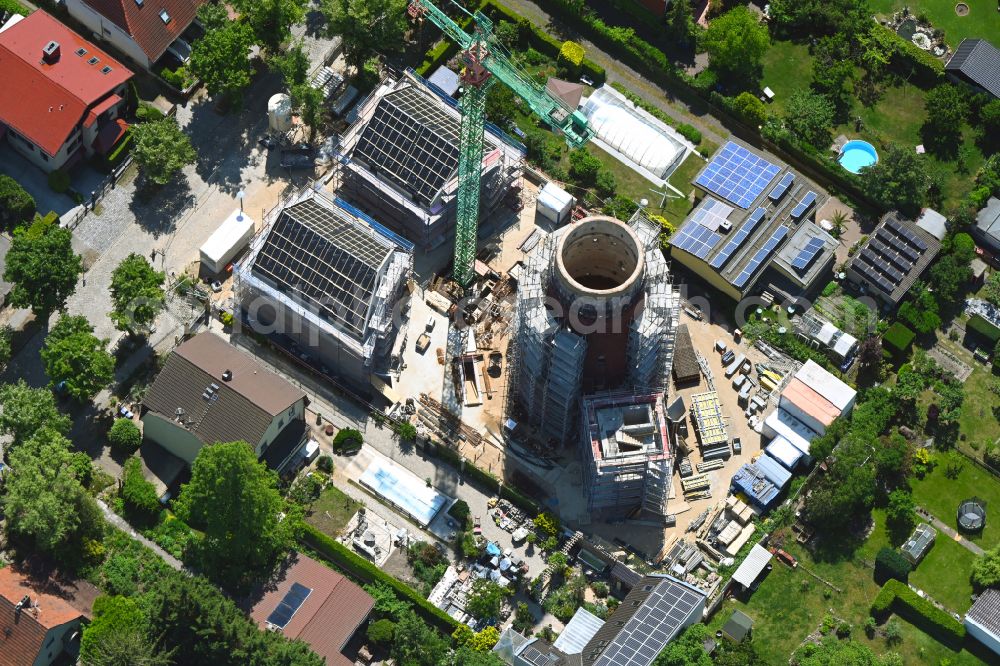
735,366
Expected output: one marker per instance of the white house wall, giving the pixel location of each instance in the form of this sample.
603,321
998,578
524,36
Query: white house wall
106,31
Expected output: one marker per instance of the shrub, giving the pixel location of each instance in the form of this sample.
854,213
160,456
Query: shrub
896,597
348,439
381,631
13,7
138,493
692,134
406,431
148,113
325,464
119,153
547,523
572,53
16,205
750,109
460,511
830,288
59,181
125,436
898,340
364,571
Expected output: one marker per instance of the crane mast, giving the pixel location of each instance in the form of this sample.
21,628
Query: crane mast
486,61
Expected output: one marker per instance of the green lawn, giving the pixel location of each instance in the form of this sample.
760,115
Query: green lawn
331,511
944,574
983,19
787,69
790,604
897,117
941,495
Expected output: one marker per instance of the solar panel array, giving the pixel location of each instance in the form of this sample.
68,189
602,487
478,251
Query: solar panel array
807,254
411,141
804,204
889,256
762,255
536,657
781,188
324,257
290,603
737,174
712,214
657,621
738,238
696,239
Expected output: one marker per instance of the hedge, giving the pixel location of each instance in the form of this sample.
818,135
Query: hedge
898,339
897,597
118,155
911,57
364,571
890,564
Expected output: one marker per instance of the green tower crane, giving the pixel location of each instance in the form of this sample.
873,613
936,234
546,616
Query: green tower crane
486,60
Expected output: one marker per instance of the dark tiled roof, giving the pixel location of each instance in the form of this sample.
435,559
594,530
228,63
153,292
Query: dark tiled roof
328,617
986,611
143,22
242,408
979,61
871,262
623,573
685,362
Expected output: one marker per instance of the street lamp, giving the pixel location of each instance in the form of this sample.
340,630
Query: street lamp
240,195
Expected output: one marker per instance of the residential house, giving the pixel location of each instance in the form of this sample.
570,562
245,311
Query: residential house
141,29
61,98
987,228
315,604
41,622
983,620
977,63
209,391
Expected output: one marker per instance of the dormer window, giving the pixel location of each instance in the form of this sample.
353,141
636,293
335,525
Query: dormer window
164,16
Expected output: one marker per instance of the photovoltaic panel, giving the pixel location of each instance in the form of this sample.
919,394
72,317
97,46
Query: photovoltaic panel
807,254
804,204
906,234
288,605
897,243
738,238
761,256
696,239
781,188
737,175
712,214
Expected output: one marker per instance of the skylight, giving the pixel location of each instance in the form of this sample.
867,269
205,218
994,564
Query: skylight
93,61
165,16
81,51
106,70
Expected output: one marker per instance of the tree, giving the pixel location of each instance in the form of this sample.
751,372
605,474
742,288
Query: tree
293,64
736,42
460,511
405,431
75,359
45,502
832,651
16,205
900,514
501,105
137,294
139,494
213,15
347,439
234,499
680,23
416,644
381,631
309,103
686,650
43,268
221,59
125,436
558,561
584,167
161,148
991,290
834,79
892,459
986,569
485,639
548,523
27,410
989,122
737,654
750,108
271,20
118,635
947,108
485,599
921,311
366,26
809,117
897,180
817,17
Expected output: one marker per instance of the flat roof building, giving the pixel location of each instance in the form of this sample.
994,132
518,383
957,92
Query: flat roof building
626,453
400,161
754,216
895,255
840,344
984,318
327,278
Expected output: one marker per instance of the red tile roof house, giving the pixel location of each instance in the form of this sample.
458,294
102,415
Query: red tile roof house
313,603
141,29
37,626
61,98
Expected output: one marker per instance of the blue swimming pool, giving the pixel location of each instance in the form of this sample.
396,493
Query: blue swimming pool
856,155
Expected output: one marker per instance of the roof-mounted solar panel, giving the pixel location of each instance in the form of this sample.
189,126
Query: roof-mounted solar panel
781,188
737,175
803,205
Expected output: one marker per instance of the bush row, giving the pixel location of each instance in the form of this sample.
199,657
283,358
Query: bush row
541,40
120,152
897,597
490,482
898,339
910,57
364,571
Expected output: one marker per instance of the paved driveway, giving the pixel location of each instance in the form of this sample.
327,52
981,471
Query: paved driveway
33,180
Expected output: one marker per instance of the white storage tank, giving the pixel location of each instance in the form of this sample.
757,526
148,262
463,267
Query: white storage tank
279,113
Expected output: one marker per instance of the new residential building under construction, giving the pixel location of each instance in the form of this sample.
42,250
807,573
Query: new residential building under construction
399,161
